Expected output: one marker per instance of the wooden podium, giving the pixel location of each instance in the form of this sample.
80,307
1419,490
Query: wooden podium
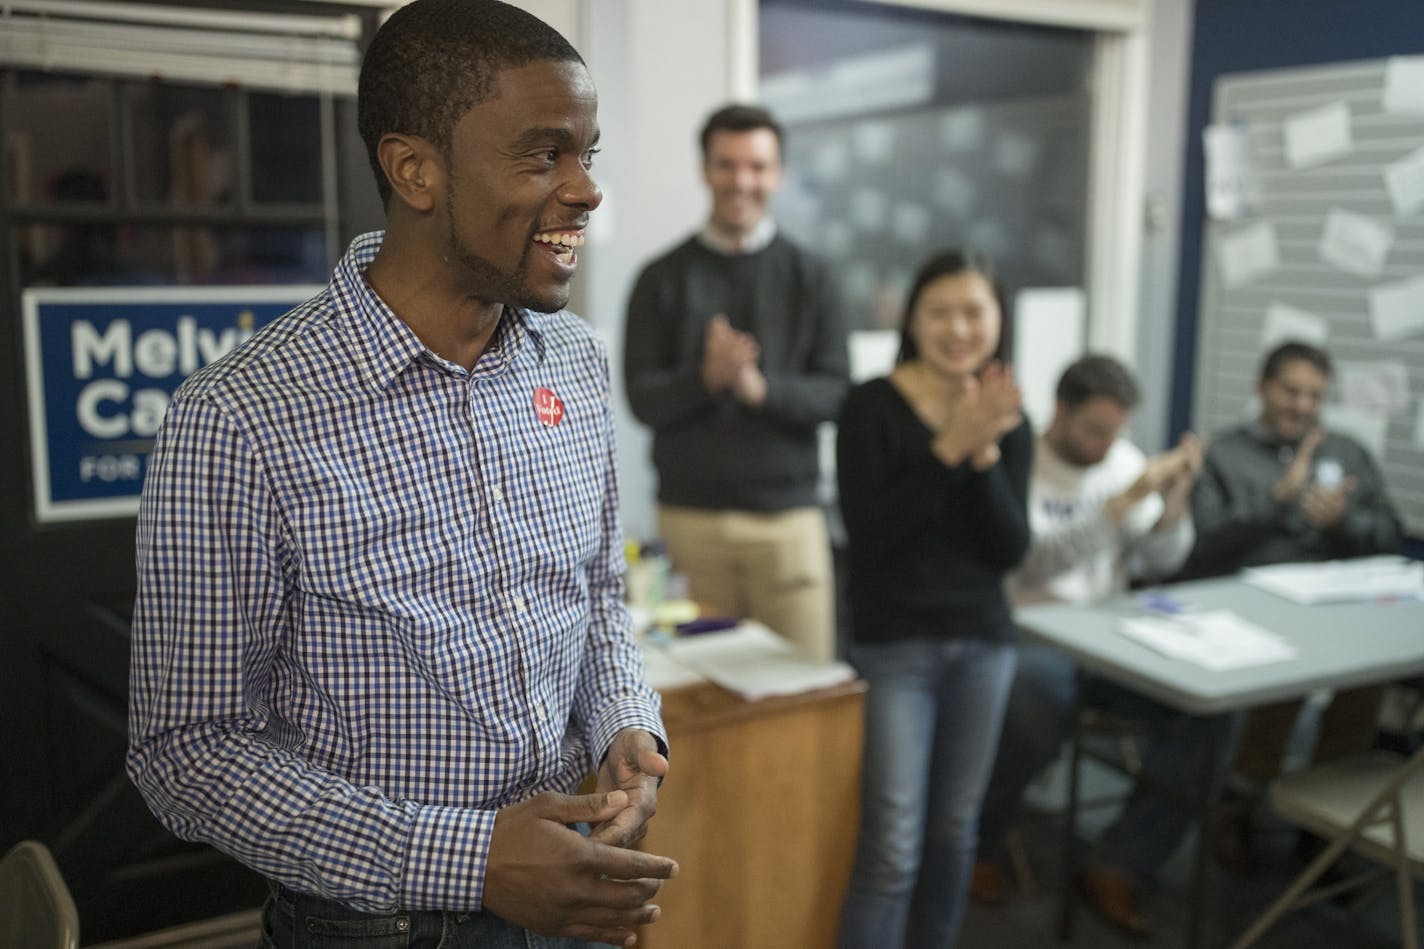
761,809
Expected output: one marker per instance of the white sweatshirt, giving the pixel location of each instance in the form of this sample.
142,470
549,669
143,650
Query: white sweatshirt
1076,553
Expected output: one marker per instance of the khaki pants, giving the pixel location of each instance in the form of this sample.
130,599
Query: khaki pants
775,568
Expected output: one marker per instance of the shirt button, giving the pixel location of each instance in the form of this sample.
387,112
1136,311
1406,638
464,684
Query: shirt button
497,493
517,602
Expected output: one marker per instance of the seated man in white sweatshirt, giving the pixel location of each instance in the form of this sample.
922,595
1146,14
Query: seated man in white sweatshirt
1102,514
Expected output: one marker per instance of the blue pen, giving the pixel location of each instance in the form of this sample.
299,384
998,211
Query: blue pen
1159,602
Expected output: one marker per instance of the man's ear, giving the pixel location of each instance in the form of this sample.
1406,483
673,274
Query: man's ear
412,167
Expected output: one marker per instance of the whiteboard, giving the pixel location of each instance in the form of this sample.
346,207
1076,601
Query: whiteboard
1331,253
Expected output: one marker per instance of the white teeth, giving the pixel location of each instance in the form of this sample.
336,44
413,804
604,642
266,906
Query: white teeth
567,240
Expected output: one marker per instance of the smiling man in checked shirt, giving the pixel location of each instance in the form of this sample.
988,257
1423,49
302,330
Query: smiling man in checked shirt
379,636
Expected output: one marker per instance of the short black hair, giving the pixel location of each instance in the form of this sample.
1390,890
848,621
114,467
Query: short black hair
948,263
1097,376
1290,352
738,117
434,60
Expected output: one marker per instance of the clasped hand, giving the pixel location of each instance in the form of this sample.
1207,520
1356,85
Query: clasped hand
729,362
1170,474
988,407
544,876
1322,506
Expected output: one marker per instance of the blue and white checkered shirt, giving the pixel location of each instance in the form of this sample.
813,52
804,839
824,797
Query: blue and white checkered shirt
379,597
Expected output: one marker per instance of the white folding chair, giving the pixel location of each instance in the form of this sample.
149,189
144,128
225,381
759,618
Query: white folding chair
1371,803
36,910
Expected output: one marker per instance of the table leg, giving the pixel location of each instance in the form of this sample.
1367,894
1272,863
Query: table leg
1210,793
1070,817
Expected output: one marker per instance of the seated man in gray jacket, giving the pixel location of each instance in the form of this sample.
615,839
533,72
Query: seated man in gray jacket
1278,489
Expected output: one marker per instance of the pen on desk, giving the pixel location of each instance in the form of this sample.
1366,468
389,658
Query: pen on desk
1158,602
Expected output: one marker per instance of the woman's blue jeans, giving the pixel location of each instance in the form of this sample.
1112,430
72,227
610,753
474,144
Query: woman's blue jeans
932,719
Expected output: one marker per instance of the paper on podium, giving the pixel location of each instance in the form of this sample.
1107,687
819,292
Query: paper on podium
663,672
1217,639
1335,581
755,663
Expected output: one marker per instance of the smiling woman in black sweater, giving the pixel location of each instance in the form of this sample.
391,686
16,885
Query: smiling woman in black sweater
933,464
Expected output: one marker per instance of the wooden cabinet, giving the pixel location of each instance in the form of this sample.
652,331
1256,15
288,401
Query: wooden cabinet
761,810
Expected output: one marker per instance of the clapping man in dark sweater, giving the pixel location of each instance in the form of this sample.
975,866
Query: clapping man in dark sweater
735,352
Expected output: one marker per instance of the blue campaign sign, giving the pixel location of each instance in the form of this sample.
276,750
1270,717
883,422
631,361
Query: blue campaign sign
101,365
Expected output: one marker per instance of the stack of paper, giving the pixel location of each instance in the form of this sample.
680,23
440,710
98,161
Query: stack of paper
1334,581
663,672
1217,639
755,663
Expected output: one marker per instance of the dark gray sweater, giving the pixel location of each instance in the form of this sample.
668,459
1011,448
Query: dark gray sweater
1240,524
712,451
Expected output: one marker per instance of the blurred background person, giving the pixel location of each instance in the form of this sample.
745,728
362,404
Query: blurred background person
1102,514
735,351
933,463
1280,489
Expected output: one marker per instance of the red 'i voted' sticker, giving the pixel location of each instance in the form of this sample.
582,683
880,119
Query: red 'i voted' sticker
548,407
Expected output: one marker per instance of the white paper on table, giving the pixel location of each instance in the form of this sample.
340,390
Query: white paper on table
1355,243
1404,179
1316,136
1397,309
1233,189
756,663
1338,581
1366,426
1248,253
1404,85
872,353
1216,639
664,672
1050,333
1381,386
1285,323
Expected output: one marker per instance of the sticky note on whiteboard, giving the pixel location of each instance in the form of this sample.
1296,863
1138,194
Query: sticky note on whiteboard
1397,309
1355,243
1404,180
1247,254
1404,85
1286,323
1316,136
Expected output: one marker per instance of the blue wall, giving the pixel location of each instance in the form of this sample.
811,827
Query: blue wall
1231,36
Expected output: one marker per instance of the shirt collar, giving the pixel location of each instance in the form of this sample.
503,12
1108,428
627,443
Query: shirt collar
387,345
761,235
1261,433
